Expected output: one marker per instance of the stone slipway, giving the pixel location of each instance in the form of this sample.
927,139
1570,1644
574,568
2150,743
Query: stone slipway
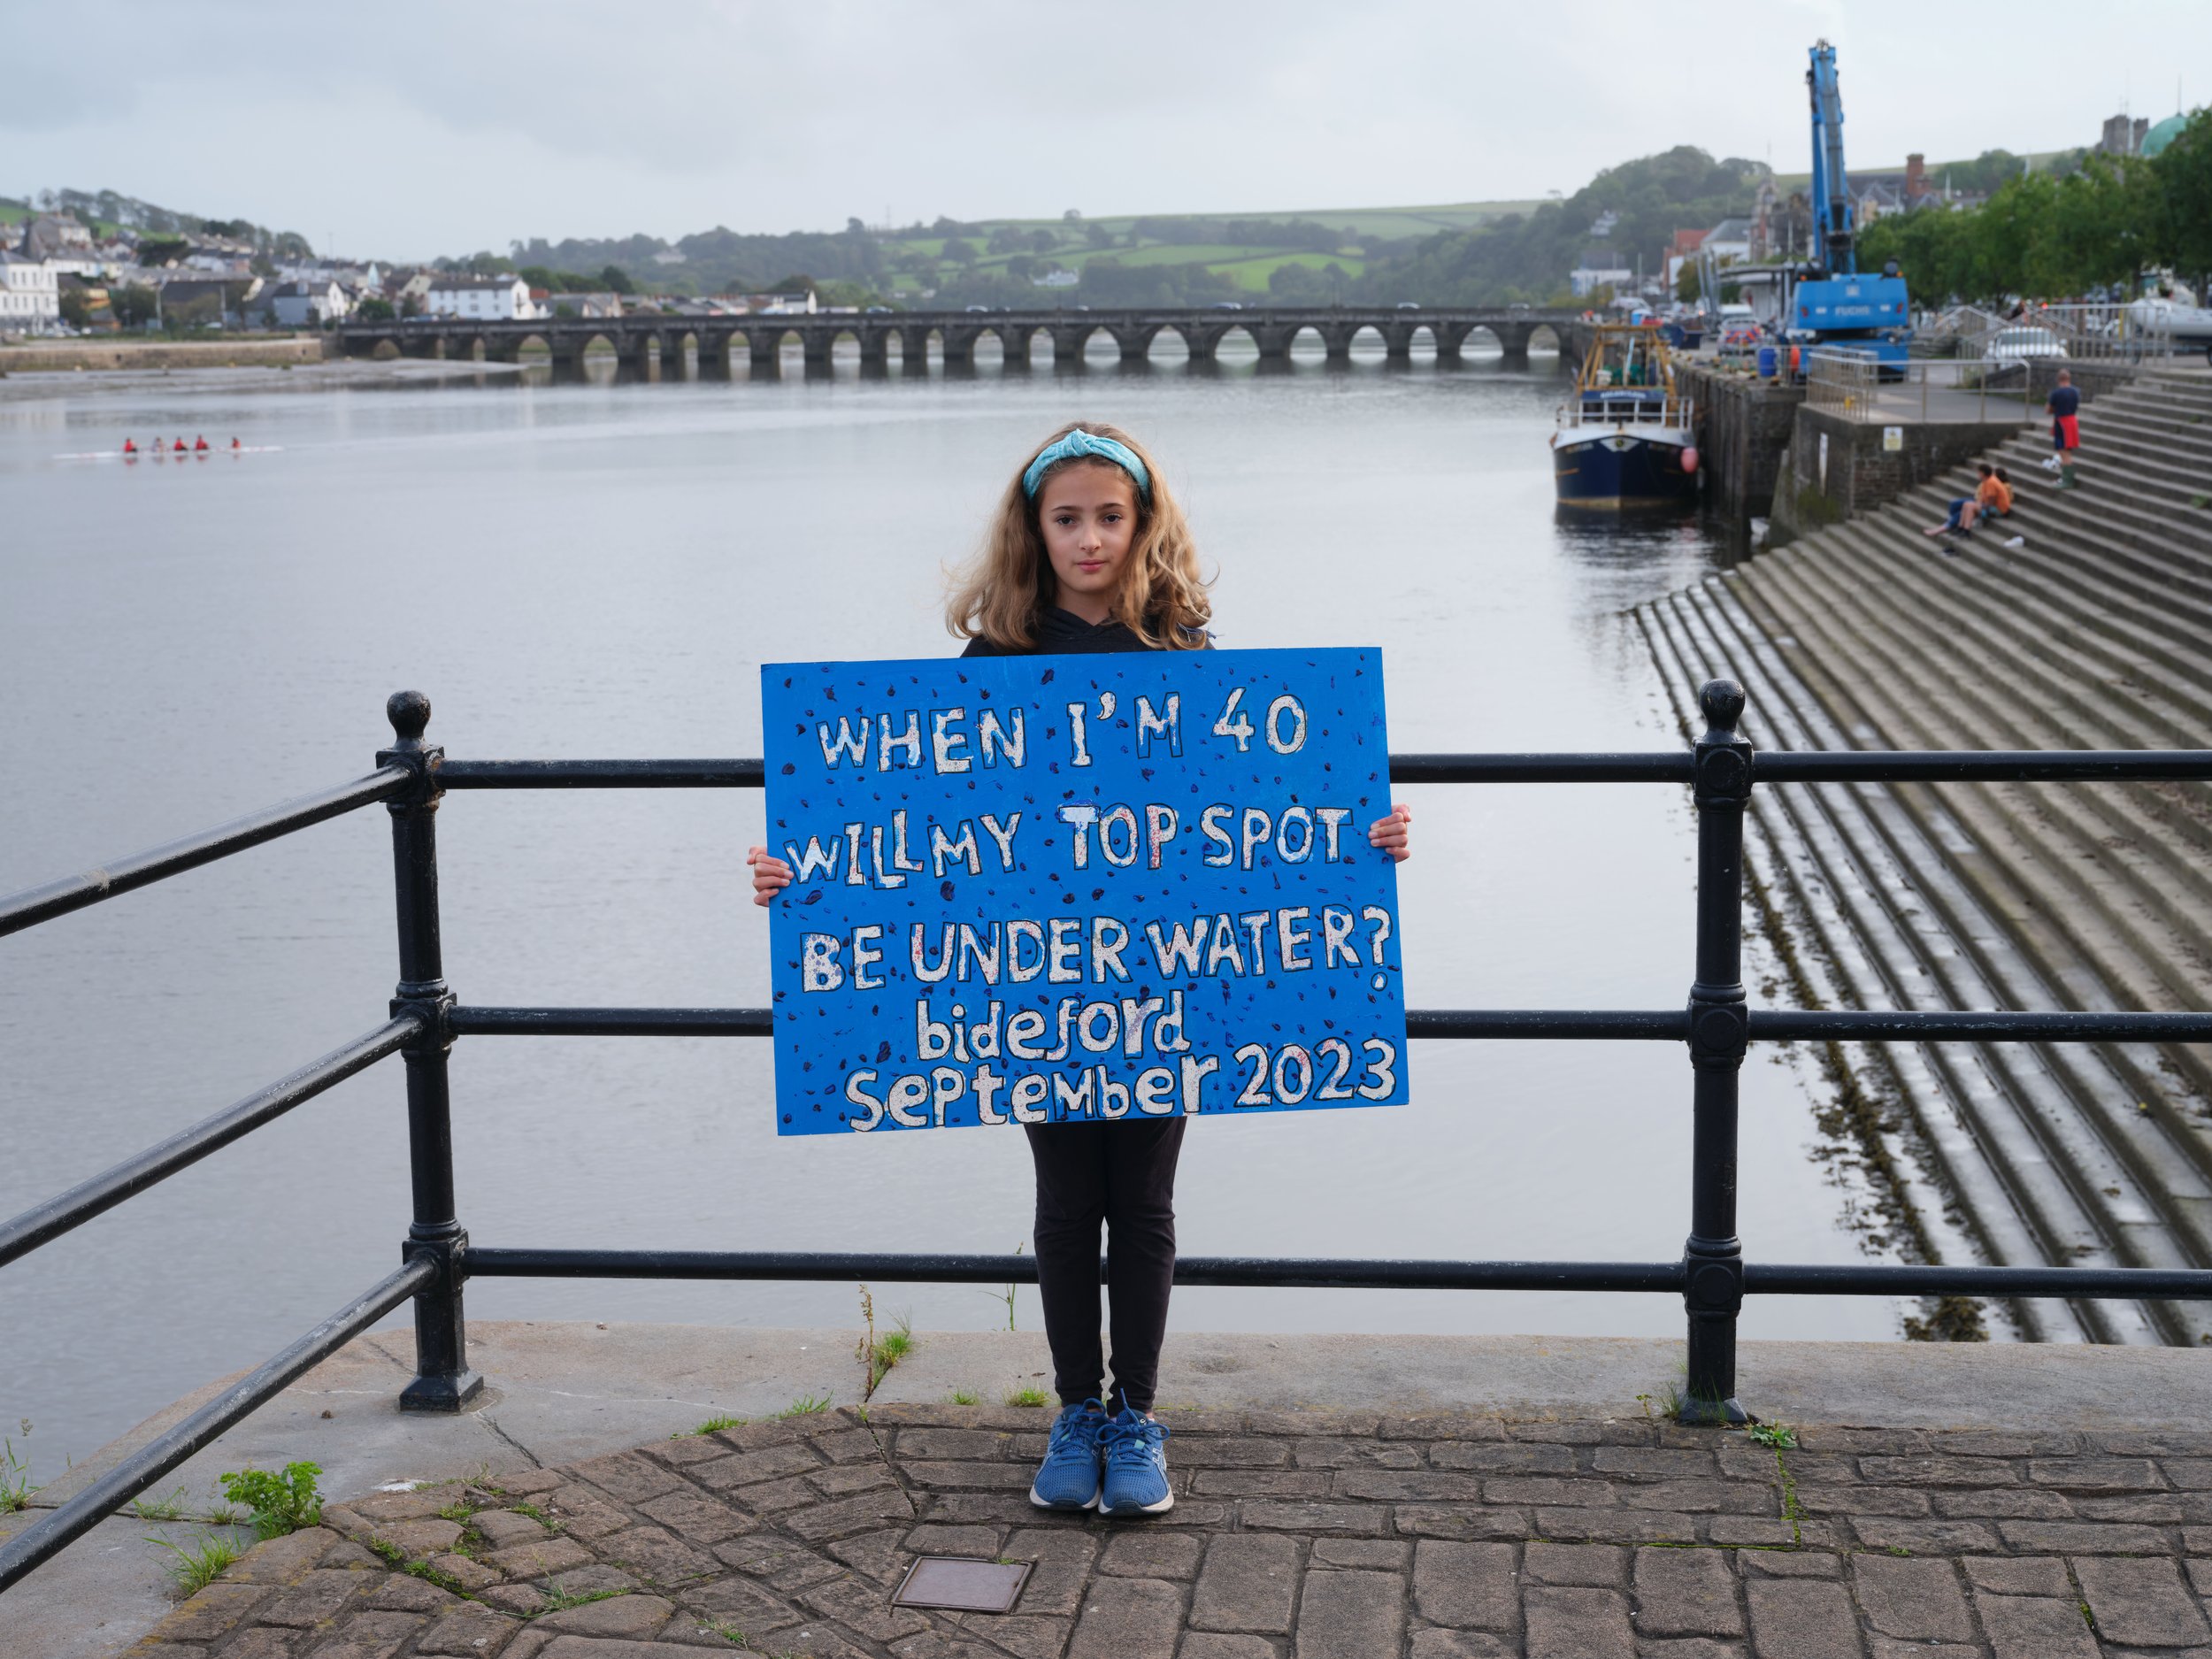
560,1393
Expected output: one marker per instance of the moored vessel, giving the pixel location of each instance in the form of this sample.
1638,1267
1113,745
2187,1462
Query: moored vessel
1625,435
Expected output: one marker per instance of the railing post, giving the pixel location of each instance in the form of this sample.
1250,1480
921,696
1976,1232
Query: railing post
1719,1033
443,1381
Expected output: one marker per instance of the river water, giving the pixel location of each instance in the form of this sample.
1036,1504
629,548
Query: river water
599,570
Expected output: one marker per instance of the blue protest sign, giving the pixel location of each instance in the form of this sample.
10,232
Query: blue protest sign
1046,889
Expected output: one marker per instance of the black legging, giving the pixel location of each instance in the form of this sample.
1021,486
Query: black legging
1122,1174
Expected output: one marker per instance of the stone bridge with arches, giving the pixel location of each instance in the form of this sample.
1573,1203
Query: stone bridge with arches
702,347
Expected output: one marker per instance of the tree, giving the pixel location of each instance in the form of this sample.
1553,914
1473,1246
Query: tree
2182,175
1098,235
132,303
76,306
1686,283
617,280
1022,266
959,250
375,311
538,277
799,283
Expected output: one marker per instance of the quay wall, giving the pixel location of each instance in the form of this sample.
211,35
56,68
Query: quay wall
1743,427
180,354
1834,468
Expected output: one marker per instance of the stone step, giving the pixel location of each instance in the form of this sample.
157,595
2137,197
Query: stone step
2022,1105
2058,1092
2157,547
1996,861
2158,666
2055,678
1879,936
2149,961
2170,477
1993,690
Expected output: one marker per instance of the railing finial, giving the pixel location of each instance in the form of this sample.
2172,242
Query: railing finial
409,711
1723,704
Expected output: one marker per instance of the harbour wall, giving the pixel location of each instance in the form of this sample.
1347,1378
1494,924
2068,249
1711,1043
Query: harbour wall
179,354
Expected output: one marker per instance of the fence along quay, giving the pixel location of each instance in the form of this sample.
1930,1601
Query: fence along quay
1716,1025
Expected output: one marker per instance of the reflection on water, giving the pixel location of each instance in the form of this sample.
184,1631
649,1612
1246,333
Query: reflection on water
601,569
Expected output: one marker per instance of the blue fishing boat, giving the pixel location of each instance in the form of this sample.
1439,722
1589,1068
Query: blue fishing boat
1625,435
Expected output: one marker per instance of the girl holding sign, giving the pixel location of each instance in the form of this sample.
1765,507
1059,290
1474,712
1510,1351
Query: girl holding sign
1089,552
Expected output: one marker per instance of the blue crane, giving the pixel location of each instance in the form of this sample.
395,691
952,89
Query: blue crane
1832,305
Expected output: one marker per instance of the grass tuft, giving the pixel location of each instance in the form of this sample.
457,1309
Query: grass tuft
879,1354
805,1406
712,1426
15,1475
168,1509
1780,1435
966,1397
1026,1397
197,1567
559,1601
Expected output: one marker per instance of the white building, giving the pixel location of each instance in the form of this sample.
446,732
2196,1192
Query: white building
480,299
783,304
30,294
302,305
1731,239
1599,267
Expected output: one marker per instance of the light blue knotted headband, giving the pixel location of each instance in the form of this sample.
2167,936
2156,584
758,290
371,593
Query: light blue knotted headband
1080,444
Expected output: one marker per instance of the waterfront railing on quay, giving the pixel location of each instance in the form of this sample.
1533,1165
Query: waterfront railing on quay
1715,1024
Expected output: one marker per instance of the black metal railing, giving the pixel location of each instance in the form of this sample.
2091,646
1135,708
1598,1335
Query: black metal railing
1714,1023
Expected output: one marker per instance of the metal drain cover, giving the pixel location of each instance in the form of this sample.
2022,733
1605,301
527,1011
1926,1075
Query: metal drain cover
968,1585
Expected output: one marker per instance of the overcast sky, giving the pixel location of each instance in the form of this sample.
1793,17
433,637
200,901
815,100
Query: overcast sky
409,128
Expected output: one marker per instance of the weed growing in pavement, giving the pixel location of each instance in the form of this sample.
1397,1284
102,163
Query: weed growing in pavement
712,1426
559,1601
395,1558
879,1354
737,1638
168,1509
549,1522
1026,1397
966,1397
805,1406
15,1476
1780,1435
280,1504
1007,1295
196,1568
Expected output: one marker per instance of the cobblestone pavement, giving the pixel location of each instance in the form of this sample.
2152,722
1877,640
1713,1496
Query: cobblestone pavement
1297,1535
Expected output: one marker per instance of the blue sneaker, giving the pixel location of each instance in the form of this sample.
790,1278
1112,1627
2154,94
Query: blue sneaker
1136,1466
1068,1478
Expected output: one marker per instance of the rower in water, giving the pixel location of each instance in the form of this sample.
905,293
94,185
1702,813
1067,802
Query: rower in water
199,444
129,447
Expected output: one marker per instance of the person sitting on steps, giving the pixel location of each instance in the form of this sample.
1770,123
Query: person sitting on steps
1964,510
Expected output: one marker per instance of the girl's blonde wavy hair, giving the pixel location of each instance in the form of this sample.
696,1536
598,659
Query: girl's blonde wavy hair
1001,593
